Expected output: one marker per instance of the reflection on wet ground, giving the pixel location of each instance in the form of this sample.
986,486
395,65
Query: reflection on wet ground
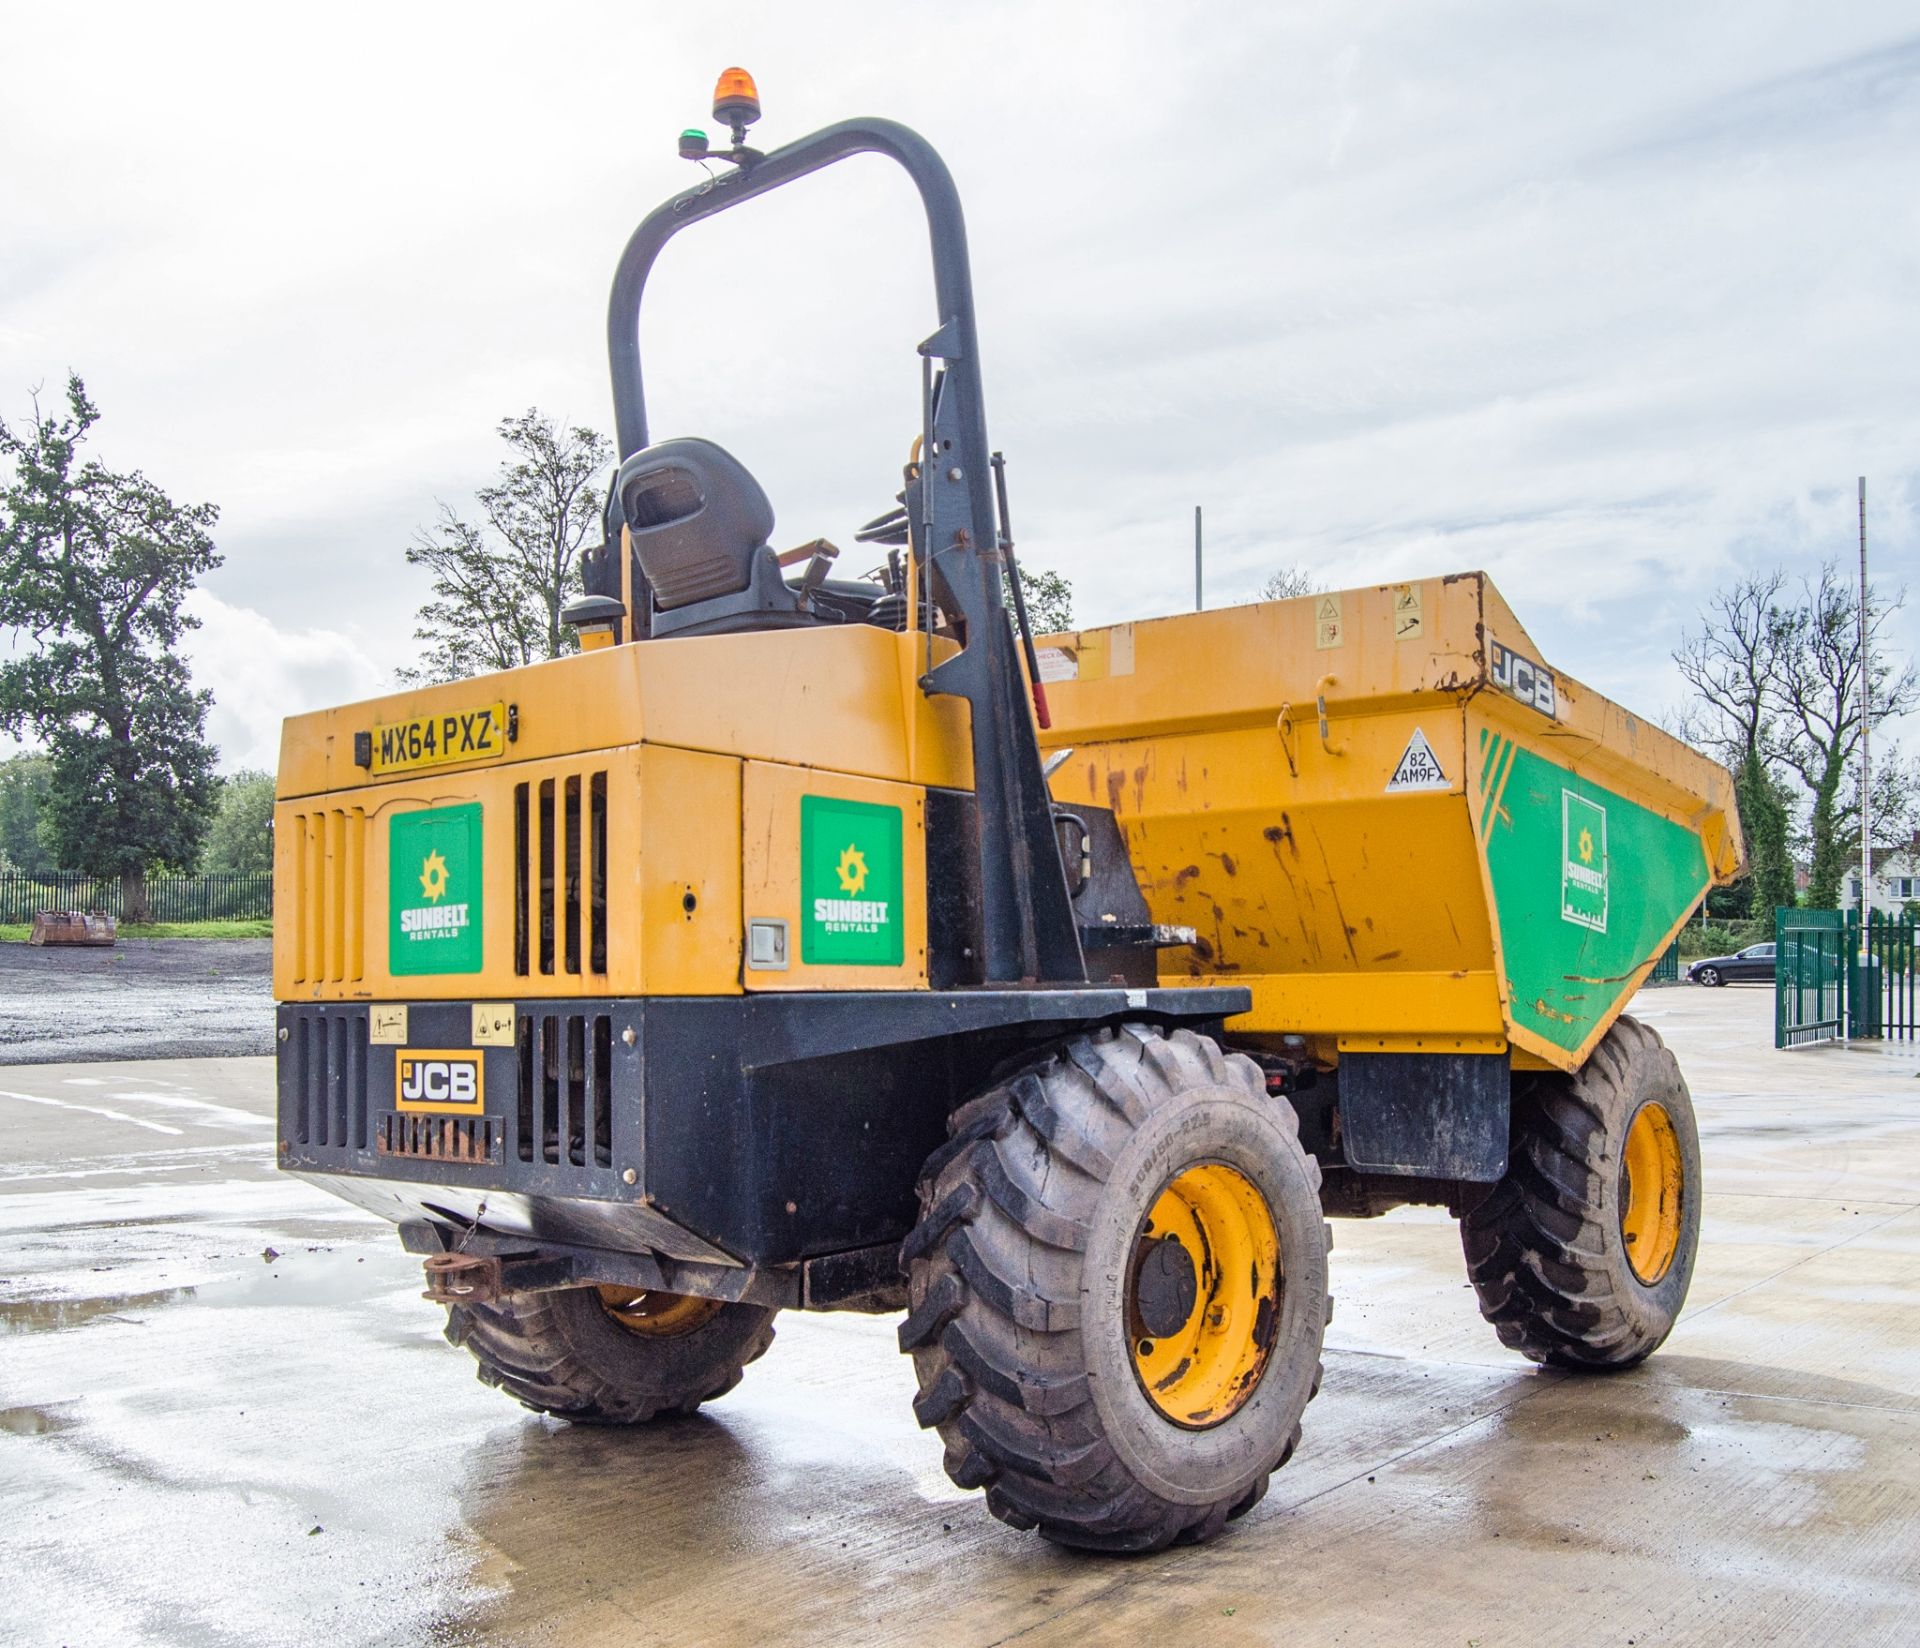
233,1375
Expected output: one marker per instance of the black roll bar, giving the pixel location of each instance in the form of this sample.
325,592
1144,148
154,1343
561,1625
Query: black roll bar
1027,925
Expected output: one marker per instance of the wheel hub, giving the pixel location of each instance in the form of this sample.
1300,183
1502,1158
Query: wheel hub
1165,1287
1204,1295
656,1315
1651,1182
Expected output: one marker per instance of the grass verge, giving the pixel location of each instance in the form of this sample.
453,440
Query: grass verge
16,932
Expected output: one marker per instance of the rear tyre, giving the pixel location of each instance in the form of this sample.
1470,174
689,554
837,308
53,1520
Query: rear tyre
610,1356
1118,1291
1582,1254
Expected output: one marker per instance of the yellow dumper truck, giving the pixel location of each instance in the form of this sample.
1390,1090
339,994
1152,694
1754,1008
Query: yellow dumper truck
811,942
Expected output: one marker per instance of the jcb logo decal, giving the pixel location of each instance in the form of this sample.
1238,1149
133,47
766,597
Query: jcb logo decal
444,1083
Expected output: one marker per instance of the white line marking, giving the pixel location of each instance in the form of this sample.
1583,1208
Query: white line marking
94,1110
179,1101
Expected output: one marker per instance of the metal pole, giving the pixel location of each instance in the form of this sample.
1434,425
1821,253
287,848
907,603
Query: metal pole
1866,736
1199,601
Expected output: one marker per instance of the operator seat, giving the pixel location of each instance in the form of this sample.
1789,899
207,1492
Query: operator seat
700,526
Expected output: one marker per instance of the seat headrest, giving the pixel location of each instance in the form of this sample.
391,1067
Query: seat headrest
697,519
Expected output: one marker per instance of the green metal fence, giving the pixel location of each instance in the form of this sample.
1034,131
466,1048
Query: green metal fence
1832,979
1880,980
1667,969
1809,977
23,894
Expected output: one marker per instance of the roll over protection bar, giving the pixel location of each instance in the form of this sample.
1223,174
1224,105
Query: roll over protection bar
1027,926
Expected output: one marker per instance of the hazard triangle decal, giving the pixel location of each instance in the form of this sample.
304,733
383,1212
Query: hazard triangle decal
1418,768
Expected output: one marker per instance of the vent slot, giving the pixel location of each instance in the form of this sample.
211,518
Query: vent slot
546,875
560,876
597,872
522,879
564,1108
439,1138
328,861
571,886
329,1081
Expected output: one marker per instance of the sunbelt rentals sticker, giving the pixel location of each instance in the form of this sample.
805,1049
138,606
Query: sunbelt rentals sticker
1583,862
435,899
850,855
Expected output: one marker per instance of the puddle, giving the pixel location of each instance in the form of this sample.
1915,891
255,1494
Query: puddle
57,1315
38,1421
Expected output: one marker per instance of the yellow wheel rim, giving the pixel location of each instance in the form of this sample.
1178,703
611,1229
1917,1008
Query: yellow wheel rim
657,1315
1204,1295
1651,1185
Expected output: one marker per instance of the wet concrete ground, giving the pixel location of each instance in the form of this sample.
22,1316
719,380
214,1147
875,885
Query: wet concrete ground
145,998
227,1418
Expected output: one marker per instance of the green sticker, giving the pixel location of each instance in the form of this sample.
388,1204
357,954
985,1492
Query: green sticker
435,896
1587,885
1583,861
850,882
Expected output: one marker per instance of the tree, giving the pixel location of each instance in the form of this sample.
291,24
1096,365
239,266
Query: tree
24,783
1764,817
1733,664
240,841
1818,686
499,583
94,567
1049,597
1289,582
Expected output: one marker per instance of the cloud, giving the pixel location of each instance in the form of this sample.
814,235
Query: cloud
1612,302
262,672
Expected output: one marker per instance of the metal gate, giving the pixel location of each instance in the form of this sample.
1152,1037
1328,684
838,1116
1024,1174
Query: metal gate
1830,980
1809,976
1880,982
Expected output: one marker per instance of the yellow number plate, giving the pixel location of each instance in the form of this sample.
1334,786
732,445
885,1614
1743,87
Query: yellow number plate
441,740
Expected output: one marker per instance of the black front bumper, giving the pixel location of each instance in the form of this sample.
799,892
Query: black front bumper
748,1130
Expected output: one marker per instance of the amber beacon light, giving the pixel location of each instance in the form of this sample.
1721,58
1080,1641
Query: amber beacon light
736,102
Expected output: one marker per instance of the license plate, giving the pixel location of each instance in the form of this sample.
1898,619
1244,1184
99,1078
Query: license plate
449,739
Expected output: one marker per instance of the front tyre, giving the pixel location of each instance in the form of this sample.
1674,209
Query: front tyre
1118,1290
608,1355
1582,1254
1709,976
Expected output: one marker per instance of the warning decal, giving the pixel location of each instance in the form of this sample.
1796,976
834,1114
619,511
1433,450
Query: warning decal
1418,768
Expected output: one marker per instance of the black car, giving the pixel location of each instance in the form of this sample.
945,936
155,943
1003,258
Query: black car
1751,965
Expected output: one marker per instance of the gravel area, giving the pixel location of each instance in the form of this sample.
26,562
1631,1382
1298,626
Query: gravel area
146,998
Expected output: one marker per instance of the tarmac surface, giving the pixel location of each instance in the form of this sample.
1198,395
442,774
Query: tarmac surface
145,998
226,1417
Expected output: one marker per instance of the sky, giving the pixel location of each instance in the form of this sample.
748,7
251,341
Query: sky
1614,302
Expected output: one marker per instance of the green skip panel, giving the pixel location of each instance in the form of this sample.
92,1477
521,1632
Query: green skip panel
1587,887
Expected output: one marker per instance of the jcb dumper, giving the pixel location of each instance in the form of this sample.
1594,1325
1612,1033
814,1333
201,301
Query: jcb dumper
747,961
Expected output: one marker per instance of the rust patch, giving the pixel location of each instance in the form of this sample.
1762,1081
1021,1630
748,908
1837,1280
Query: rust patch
1116,786
1202,947
1174,1377
1227,863
1387,955
1182,877
1266,1321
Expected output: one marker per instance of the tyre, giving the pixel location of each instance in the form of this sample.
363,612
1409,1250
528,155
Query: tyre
1708,976
1118,1291
610,1356
1582,1254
